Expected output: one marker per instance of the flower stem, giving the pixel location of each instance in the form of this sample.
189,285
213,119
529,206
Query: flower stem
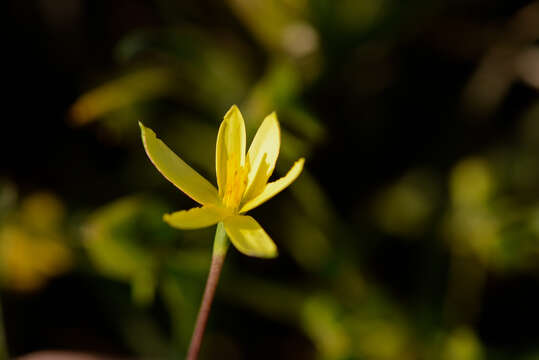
220,247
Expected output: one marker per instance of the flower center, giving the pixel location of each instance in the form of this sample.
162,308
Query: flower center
236,182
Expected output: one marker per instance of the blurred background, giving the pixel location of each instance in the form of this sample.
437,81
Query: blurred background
413,232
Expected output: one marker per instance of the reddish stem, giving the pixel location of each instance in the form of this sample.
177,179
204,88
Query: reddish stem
202,318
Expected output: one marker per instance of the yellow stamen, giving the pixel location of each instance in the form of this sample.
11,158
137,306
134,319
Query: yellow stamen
235,187
236,182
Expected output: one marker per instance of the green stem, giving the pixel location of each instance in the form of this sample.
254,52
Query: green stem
220,247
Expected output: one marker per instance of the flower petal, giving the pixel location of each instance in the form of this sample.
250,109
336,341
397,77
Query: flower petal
273,188
249,237
230,148
262,155
196,217
177,171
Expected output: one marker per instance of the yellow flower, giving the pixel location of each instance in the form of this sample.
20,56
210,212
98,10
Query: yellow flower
242,179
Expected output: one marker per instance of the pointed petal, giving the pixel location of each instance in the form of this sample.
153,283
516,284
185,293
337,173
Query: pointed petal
231,143
249,237
262,155
176,170
273,188
196,218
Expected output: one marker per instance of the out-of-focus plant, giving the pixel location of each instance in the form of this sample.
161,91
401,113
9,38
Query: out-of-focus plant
33,246
123,241
462,344
405,207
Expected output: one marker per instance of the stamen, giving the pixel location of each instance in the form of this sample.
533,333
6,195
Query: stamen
236,182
